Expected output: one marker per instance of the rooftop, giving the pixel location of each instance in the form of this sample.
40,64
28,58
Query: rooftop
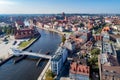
118,39
58,54
111,71
114,36
84,37
76,68
20,23
84,31
106,29
109,60
108,48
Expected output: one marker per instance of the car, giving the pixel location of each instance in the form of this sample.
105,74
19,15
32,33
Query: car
14,42
6,42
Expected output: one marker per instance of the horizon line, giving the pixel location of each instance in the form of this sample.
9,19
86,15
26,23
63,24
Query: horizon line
53,13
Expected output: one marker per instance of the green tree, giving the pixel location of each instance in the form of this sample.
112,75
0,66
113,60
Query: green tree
63,39
49,75
93,61
49,78
82,25
12,31
4,29
8,31
95,52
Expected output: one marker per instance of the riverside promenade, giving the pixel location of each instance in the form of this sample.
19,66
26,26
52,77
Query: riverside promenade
53,30
4,47
56,31
42,75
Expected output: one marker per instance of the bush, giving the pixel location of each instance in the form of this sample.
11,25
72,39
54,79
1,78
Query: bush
49,75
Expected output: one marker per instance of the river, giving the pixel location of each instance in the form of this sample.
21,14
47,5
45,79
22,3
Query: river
26,69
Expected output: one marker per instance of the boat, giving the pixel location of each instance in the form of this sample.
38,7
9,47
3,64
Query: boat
47,53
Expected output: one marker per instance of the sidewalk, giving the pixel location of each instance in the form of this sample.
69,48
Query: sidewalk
4,47
42,75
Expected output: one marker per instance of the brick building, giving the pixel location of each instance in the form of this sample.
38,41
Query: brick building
22,31
97,37
79,72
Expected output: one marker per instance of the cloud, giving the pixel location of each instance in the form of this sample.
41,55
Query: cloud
6,2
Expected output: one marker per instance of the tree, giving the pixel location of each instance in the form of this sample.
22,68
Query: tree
4,29
82,25
49,78
12,31
63,39
49,75
95,52
8,31
0,30
93,60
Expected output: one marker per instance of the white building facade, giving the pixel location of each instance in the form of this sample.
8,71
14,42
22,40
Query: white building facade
58,60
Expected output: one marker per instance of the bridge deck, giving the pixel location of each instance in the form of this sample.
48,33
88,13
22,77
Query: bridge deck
18,52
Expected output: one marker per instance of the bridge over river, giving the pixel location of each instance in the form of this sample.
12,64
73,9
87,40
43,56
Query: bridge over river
18,52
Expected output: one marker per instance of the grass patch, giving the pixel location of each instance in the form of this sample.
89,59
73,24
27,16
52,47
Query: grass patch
24,44
67,32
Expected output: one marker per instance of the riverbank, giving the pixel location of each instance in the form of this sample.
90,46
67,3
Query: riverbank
53,30
42,45
42,75
10,57
4,54
48,66
24,46
56,31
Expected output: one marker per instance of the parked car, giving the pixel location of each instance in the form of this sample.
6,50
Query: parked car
14,42
6,42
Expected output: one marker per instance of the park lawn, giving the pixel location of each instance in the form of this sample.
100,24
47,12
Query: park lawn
24,44
67,32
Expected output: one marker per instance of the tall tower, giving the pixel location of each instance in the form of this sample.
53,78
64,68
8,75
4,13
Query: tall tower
63,15
11,18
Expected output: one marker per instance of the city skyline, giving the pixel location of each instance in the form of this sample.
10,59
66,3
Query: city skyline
58,6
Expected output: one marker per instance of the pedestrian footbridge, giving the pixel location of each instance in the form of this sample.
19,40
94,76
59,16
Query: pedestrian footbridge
18,52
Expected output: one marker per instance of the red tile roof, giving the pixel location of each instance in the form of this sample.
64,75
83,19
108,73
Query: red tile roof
24,33
106,29
20,23
79,69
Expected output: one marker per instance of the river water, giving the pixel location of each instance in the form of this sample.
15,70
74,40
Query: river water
26,69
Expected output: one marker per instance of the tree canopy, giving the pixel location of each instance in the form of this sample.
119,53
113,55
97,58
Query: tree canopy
8,30
49,75
63,39
95,51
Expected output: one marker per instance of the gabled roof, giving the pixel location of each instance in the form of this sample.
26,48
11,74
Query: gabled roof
76,68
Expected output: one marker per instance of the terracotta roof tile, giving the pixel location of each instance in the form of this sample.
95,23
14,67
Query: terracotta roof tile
79,69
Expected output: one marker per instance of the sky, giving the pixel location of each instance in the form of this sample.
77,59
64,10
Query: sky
59,6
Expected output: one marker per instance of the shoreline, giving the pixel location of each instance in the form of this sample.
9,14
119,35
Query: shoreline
52,30
4,61
11,56
42,75
31,43
8,56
